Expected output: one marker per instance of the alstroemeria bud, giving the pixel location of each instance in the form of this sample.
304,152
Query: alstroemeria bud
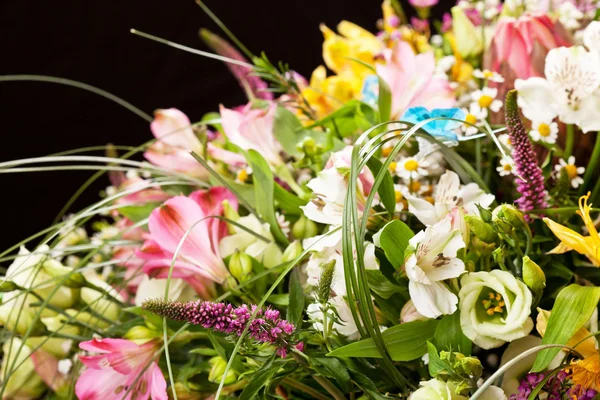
218,366
101,297
240,266
304,228
292,251
17,316
409,313
509,214
140,334
8,286
481,229
230,213
24,383
533,276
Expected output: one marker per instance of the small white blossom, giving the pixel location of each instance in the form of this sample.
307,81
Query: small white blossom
474,117
569,15
488,75
505,140
415,167
64,366
505,168
546,132
486,98
572,170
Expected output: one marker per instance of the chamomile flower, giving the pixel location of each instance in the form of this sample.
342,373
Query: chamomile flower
473,118
505,168
412,168
488,75
486,98
243,175
505,140
572,170
546,132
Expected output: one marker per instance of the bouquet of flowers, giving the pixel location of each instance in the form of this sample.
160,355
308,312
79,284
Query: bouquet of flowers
413,220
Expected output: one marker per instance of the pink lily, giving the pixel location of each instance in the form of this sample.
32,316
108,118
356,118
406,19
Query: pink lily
521,44
119,365
411,80
253,129
199,254
176,139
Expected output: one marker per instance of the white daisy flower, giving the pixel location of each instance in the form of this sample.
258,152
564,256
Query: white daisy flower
488,75
505,168
546,132
572,170
411,167
569,15
505,140
473,118
486,98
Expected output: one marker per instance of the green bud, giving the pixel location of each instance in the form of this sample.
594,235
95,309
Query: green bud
292,251
304,228
481,229
230,213
484,213
240,266
324,288
8,286
533,276
507,214
140,334
218,367
308,146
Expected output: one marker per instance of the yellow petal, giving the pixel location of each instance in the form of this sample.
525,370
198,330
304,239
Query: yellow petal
327,33
353,31
586,348
468,38
568,237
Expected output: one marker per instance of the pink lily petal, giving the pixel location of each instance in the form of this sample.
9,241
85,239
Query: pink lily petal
172,127
95,384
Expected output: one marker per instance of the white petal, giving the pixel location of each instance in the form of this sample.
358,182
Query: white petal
533,98
432,300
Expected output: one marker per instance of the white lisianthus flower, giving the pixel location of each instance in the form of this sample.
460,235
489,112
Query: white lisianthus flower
494,308
339,316
435,389
267,253
570,90
431,260
451,200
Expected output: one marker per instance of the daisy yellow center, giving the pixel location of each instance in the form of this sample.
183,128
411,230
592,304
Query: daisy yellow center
411,165
393,166
399,196
494,304
544,130
488,74
507,167
485,101
242,175
414,186
386,151
571,171
470,119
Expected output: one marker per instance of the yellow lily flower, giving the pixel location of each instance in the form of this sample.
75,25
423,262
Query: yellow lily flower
588,246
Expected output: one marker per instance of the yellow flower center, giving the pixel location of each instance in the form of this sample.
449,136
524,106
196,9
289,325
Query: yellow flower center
507,167
393,166
411,165
414,186
242,175
494,303
544,130
386,151
399,196
487,74
571,171
485,101
470,119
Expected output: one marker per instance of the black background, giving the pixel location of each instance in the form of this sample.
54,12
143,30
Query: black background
90,42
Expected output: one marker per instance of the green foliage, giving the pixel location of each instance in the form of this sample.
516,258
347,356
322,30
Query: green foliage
393,240
449,336
137,213
386,191
296,302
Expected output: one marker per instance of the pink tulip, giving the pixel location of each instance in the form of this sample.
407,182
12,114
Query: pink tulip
176,140
199,254
253,129
411,80
522,44
118,365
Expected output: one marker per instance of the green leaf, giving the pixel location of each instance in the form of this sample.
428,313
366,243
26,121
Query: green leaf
289,202
294,311
386,190
204,351
225,349
436,364
382,286
404,342
384,101
264,188
137,213
367,385
260,378
449,336
394,241
282,300
337,371
573,307
346,120
287,128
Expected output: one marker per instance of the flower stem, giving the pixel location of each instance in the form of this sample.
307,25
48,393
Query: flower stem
304,388
478,156
592,165
324,382
570,141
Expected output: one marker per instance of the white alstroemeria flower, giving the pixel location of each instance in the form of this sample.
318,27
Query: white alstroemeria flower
572,170
474,115
546,132
569,15
341,316
486,98
570,90
415,167
494,308
431,260
451,200
505,168
591,36
314,269
488,75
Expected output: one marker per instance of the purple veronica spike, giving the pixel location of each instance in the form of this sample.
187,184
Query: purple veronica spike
249,82
533,192
267,326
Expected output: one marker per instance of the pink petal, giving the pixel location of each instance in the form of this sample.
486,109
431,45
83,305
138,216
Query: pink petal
231,120
228,157
157,383
106,345
100,385
175,160
172,127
